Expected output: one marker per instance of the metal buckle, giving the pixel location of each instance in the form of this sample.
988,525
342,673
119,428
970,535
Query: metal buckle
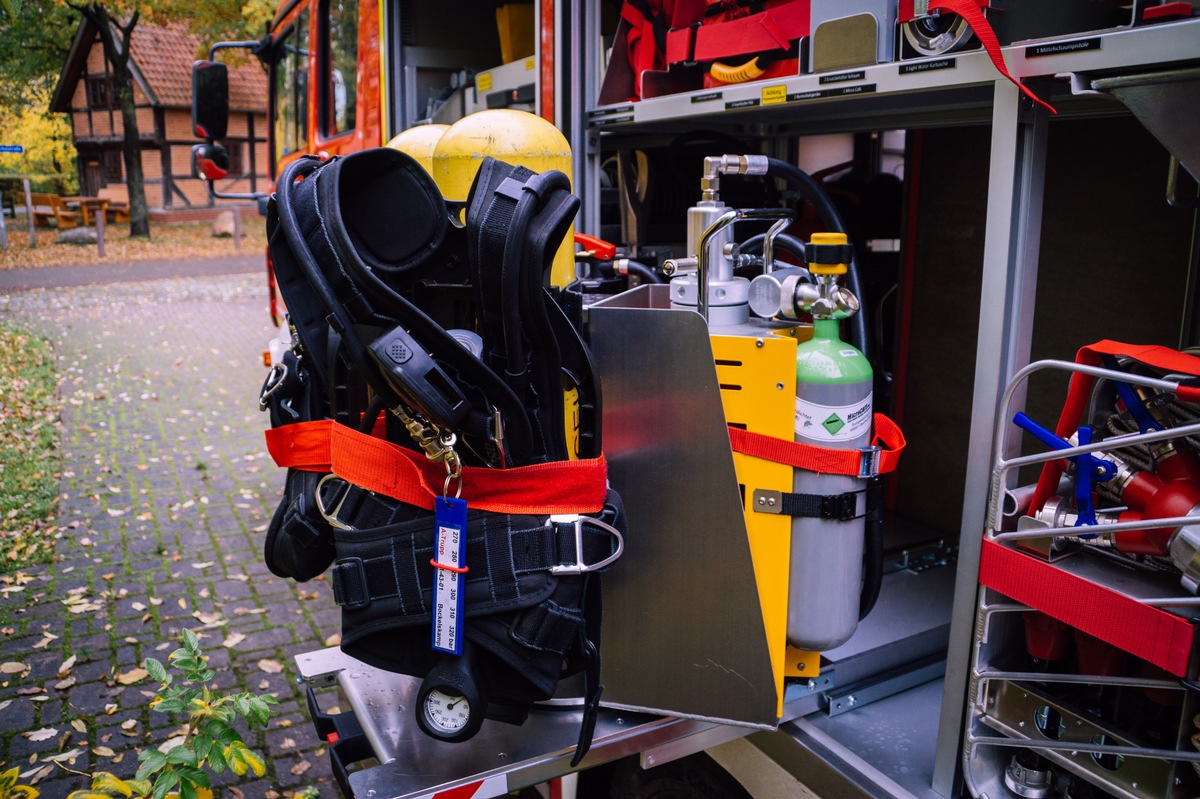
331,516
270,386
579,522
869,465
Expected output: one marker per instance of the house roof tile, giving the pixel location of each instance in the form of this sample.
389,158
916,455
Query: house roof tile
164,55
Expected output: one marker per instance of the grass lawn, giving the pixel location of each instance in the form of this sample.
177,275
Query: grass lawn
30,463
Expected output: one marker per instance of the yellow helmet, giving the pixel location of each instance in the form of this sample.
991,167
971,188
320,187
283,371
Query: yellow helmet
419,141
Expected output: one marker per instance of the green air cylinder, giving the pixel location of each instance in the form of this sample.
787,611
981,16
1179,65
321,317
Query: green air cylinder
833,410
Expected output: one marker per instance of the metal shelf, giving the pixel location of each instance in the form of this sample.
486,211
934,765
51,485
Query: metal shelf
954,88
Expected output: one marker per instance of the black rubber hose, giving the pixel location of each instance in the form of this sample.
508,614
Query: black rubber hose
645,273
812,191
783,241
872,551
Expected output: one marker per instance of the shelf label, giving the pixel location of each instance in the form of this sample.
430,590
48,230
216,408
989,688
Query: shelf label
749,103
607,112
842,77
703,98
483,81
812,94
771,95
845,91
610,120
928,66
1058,48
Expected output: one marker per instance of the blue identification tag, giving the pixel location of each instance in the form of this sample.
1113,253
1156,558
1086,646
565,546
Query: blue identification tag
449,578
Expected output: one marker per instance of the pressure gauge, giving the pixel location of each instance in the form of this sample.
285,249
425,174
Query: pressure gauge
450,705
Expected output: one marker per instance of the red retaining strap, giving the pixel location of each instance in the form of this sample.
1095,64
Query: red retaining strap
1149,633
822,460
576,486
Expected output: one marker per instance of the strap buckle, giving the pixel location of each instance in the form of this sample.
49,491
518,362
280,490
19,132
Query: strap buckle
868,467
579,521
272,384
331,516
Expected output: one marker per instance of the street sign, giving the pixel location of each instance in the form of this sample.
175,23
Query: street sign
11,148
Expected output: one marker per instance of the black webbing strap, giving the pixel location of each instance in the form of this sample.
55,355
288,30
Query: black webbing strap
549,626
833,507
497,555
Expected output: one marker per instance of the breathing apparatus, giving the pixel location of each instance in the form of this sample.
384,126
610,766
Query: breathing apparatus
419,412
834,419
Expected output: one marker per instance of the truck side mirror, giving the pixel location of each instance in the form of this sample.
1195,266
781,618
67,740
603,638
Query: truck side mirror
210,99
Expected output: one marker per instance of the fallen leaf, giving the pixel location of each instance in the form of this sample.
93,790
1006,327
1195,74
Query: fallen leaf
44,734
233,639
67,756
270,666
171,743
208,618
66,666
5,703
155,601
110,709
287,743
128,724
132,676
34,776
79,724
183,603
63,685
103,751
301,767
334,640
138,606
203,565
12,667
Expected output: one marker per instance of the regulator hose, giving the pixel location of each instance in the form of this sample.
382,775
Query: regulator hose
872,553
643,272
811,191
783,241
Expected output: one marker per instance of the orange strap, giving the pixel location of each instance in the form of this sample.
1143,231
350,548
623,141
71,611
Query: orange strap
383,467
855,462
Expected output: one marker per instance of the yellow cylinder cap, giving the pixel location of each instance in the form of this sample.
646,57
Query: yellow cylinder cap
419,141
515,137
823,244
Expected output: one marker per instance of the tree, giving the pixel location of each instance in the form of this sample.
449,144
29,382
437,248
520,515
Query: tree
115,35
49,157
35,37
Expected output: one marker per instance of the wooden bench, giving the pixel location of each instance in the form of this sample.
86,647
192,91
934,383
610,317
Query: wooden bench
51,206
118,202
